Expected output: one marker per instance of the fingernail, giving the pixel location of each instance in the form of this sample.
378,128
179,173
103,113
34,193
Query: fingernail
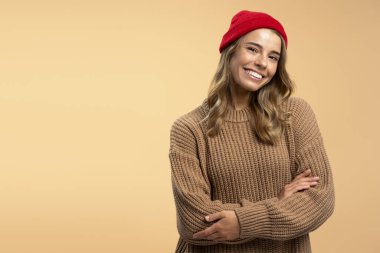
195,237
207,218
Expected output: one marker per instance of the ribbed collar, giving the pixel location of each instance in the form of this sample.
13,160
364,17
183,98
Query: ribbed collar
233,115
240,115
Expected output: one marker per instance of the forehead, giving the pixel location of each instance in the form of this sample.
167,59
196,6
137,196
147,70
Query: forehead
267,38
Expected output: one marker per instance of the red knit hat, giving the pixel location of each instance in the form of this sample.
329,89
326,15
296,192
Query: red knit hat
246,21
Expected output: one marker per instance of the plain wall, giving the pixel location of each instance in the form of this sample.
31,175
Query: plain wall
90,89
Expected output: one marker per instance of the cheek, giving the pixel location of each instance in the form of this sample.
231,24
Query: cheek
234,69
273,70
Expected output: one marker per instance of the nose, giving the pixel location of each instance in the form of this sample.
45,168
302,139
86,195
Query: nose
261,61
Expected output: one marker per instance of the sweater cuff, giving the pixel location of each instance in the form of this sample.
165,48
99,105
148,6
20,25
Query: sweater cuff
254,220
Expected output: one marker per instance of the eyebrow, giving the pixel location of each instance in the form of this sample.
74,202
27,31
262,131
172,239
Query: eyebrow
261,47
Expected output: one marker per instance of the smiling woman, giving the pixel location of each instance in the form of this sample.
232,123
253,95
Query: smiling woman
255,61
249,168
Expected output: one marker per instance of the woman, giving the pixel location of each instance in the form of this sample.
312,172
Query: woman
249,168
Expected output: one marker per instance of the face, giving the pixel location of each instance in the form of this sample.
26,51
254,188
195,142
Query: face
255,60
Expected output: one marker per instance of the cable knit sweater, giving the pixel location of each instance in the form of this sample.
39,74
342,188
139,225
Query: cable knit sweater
235,171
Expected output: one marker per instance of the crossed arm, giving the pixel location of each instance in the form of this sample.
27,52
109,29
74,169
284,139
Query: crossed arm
226,225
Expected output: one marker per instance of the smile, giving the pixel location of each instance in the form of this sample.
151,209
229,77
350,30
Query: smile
253,74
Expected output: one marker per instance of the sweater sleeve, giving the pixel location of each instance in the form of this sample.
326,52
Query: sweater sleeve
303,211
191,187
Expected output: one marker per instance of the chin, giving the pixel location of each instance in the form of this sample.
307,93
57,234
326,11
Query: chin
255,87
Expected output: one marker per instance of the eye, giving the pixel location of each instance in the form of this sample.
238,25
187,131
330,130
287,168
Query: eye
253,49
274,58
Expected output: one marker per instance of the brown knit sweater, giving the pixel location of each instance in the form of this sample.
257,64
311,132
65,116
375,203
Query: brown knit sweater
235,171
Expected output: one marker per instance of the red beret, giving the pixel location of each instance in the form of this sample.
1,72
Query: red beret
246,21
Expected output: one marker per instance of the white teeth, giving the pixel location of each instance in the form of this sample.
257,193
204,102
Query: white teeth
254,74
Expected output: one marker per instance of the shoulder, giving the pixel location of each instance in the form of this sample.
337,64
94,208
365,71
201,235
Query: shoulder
296,105
191,120
303,121
186,129
299,110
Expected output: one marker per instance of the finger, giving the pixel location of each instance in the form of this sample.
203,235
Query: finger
213,237
302,187
293,185
305,185
307,179
313,179
297,186
214,216
205,233
313,184
306,173
303,174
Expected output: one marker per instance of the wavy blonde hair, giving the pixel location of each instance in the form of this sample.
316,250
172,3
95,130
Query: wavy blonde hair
268,120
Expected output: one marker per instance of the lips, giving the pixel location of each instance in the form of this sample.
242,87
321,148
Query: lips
254,74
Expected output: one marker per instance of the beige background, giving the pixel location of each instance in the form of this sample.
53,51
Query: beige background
89,90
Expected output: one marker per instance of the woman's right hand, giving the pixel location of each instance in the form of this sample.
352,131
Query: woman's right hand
301,182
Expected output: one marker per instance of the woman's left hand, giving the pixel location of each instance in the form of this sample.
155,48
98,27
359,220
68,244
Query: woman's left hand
226,228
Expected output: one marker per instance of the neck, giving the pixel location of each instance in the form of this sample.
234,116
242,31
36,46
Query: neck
240,98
